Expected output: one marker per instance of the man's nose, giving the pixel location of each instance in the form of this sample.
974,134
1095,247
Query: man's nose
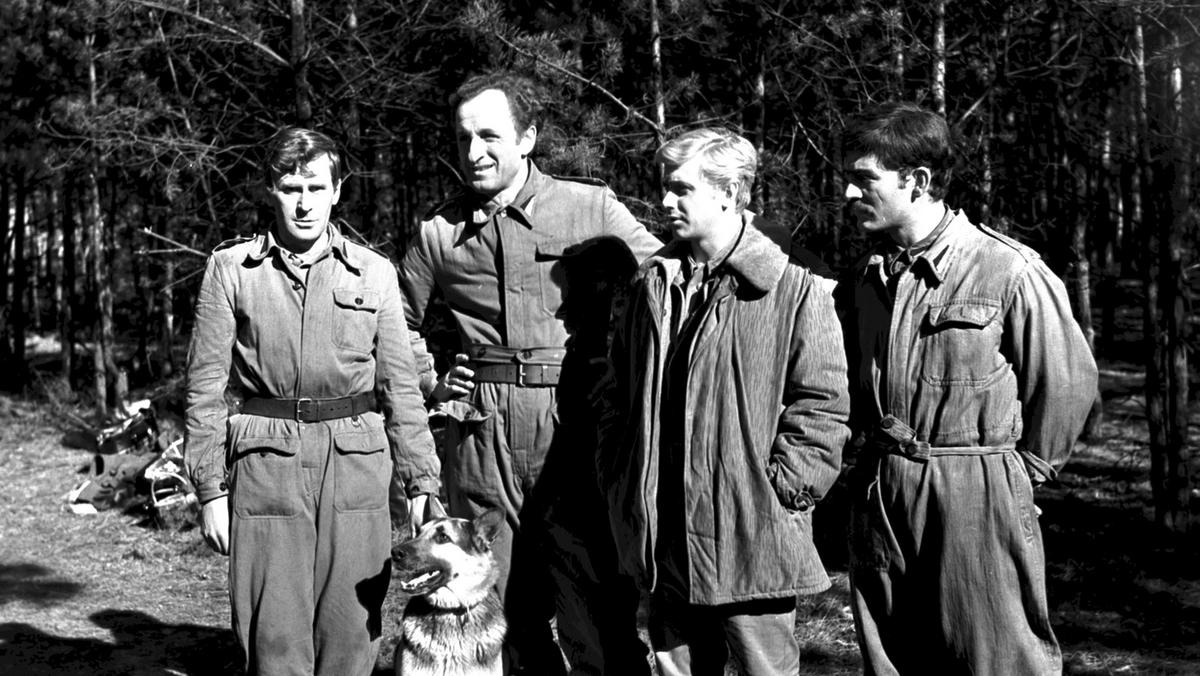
476,149
853,192
302,201
669,200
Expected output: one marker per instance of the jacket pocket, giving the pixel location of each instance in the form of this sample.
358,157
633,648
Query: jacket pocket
266,478
552,274
1021,489
354,319
364,470
960,343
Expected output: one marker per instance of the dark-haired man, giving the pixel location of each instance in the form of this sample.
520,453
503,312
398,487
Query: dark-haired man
306,330
970,381
501,253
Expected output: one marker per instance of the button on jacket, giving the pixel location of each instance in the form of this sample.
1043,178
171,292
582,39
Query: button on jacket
264,329
764,421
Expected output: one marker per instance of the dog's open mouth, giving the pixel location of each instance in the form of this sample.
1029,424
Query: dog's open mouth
423,581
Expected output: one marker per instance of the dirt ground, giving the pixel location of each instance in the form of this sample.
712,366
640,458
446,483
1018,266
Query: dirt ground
112,594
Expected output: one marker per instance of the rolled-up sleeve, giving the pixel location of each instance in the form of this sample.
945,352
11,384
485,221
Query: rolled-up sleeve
806,455
396,381
1056,372
210,354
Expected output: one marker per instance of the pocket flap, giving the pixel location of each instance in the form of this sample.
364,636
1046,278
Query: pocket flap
279,446
356,299
978,313
368,441
551,249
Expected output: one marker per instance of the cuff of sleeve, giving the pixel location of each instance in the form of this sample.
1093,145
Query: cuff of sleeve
426,484
209,491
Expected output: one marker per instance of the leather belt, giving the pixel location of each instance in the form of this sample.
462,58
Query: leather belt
524,367
522,375
305,409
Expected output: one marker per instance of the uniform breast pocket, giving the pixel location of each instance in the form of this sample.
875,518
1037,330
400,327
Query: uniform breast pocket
960,343
552,275
355,319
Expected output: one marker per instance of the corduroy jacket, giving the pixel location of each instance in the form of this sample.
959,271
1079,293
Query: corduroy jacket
765,411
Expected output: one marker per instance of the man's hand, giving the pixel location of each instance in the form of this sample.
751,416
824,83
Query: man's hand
214,524
457,382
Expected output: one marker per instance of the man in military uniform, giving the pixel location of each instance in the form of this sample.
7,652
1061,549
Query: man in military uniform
970,381
306,330
500,253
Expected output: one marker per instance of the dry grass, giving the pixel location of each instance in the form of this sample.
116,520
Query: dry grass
108,594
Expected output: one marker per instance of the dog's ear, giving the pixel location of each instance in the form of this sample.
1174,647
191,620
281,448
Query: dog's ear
487,527
434,509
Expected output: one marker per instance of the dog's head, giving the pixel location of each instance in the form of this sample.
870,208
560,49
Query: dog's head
450,553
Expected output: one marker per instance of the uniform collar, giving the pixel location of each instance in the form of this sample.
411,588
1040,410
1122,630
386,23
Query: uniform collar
480,213
754,258
936,258
265,245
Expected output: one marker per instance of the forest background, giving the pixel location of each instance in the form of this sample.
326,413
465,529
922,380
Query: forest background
130,130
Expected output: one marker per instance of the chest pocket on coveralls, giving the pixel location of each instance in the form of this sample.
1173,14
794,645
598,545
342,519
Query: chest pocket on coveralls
355,320
552,274
960,343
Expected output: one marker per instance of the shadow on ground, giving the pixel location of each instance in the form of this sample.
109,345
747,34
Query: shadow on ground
140,646
34,584
1115,582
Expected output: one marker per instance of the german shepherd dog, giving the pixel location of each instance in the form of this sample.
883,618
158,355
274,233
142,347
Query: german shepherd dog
454,622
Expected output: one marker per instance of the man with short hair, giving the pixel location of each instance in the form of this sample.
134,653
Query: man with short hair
724,423
305,331
508,254
970,381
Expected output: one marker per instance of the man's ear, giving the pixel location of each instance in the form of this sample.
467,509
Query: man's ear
921,180
527,139
731,194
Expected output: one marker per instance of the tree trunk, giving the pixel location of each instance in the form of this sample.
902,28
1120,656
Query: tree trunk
1152,324
1175,489
656,76
5,328
66,308
939,56
20,317
299,62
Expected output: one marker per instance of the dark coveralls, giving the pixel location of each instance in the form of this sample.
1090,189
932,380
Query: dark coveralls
970,382
310,529
520,441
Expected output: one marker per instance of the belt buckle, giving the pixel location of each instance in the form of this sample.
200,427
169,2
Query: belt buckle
520,374
302,409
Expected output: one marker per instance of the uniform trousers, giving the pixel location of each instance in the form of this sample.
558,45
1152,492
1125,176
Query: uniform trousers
309,554
947,567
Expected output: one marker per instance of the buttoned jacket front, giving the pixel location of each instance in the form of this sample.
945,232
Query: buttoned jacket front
265,329
501,274
765,421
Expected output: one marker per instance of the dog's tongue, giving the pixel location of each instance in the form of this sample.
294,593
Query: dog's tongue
416,582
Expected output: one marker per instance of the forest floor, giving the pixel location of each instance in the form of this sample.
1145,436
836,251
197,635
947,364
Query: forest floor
112,594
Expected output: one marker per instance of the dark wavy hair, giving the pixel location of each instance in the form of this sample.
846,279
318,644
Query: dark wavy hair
902,137
525,99
291,148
